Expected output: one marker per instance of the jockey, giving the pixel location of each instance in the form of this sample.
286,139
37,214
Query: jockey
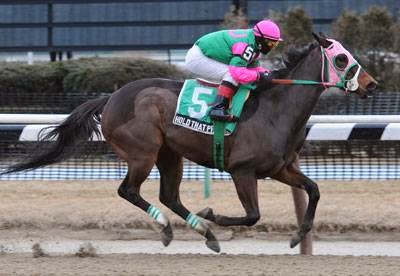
230,57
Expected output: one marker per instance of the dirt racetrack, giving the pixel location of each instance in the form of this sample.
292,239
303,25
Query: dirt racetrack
200,265
42,210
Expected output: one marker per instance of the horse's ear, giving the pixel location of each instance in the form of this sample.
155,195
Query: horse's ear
321,39
321,34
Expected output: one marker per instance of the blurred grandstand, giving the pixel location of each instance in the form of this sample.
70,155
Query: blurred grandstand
162,29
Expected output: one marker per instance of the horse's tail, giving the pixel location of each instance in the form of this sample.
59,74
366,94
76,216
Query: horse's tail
79,127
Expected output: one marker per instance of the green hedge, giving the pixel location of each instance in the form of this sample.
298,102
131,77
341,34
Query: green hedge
89,75
107,75
56,85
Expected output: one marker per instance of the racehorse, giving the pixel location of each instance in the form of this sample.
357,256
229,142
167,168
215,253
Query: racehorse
136,121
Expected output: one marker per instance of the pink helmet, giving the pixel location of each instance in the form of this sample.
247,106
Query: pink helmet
267,29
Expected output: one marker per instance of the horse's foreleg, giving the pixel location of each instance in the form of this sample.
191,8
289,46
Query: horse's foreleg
171,167
246,187
300,205
292,176
130,190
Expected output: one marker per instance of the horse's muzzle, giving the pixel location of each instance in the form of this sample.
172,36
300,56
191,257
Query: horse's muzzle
367,84
371,87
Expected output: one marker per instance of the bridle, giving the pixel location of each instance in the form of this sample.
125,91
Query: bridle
330,66
330,70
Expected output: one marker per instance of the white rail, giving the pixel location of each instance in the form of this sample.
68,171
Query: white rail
32,118
357,119
57,118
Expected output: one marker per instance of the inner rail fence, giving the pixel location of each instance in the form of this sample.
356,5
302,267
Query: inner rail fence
340,147
53,102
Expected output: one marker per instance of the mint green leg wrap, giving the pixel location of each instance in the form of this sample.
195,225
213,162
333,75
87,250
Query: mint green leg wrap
192,220
195,222
155,213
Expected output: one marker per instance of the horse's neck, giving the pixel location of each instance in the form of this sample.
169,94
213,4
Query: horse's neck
299,101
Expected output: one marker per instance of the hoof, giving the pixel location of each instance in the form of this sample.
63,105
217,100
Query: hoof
213,245
207,213
167,235
212,241
296,239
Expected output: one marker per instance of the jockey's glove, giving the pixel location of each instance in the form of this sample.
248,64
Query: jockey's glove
265,77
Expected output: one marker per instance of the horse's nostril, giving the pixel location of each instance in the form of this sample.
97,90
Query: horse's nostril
371,86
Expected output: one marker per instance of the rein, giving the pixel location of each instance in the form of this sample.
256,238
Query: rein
308,82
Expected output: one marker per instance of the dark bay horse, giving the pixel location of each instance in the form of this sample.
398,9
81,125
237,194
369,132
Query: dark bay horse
136,121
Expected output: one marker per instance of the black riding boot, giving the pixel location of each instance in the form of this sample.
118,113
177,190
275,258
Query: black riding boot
219,110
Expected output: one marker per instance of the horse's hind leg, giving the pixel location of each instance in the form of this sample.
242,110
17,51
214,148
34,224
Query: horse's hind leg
170,166
138,170
292,176
246,187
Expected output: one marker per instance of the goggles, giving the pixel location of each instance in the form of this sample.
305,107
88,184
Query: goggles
272,43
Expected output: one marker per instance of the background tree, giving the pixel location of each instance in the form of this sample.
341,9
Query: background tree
378,37
347,29
235,19
297,26
396,37
377,29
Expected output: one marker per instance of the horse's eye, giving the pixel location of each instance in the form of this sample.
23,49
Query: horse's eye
341,61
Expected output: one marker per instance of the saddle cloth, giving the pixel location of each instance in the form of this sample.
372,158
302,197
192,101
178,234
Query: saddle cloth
194,104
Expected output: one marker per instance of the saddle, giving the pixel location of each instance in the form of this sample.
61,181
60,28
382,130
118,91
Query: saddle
192,112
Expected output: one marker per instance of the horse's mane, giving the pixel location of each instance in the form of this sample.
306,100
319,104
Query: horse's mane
295,54
291,58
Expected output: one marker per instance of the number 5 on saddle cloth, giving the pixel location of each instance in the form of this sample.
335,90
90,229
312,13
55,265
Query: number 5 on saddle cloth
193,106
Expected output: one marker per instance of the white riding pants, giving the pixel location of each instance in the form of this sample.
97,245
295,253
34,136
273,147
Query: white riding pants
207,68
